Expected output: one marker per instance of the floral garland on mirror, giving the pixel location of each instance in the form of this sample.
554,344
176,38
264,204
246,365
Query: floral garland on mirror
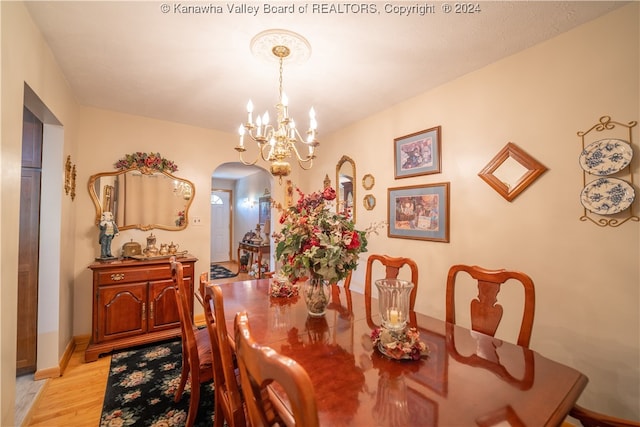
146,162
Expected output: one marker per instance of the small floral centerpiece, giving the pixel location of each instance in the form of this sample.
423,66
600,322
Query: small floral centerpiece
317,243
280,287
405,344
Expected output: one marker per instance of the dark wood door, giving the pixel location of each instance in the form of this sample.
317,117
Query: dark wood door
29,243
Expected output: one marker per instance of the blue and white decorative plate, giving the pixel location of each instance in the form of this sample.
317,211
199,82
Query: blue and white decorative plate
606,157
607,196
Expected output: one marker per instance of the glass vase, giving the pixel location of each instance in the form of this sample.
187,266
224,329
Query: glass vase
316,296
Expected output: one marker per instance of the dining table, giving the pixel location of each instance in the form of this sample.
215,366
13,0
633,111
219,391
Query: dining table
466,379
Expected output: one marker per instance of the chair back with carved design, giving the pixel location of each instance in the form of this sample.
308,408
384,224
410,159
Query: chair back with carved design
259,366
196,346
589,418
392,266
228,398
486,313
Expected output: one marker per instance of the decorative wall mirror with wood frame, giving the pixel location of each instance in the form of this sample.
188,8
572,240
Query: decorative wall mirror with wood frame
346,186
369,201
142,198
368,181
511,171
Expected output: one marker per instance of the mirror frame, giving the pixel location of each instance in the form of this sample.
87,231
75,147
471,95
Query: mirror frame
143,227
341,162
368,181
534,170
369,201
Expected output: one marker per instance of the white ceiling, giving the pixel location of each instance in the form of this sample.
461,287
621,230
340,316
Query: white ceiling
197,68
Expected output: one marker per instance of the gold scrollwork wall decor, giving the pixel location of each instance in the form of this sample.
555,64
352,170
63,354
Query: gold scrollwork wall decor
607,173
67,176
73,182
70,178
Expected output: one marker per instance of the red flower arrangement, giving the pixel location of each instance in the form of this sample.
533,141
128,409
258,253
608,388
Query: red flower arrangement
316,241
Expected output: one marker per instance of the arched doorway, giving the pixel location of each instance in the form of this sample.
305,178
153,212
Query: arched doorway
236,190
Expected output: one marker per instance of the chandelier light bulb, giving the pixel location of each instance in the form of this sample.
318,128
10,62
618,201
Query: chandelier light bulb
241,132
249,111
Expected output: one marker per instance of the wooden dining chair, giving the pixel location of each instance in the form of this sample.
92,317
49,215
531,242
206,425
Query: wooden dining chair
197,359
202,283
486,313
589,418
229,403
260,366
347,281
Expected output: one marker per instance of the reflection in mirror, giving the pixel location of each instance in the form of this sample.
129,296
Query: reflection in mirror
510,172
369,202
345,181
141,199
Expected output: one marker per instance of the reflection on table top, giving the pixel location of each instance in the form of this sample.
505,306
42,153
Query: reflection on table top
469,379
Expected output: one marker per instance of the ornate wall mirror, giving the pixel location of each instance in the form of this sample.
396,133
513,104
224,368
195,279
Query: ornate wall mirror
345,183
369,202
143,198
511,171
368,181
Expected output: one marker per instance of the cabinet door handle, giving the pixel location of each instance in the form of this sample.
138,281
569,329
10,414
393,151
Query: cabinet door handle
116,277
144,311
151,310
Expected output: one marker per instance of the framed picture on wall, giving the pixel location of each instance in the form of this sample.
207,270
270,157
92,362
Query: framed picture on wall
264,209
419,212
417,153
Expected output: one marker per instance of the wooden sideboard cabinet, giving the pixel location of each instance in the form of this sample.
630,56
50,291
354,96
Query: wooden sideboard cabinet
134,303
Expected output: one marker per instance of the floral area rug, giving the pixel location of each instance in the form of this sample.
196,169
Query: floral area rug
141,388
220,272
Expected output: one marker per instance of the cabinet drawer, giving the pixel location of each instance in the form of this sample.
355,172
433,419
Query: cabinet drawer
139,274
110,277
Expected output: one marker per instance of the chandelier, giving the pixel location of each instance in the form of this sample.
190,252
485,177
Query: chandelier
280,141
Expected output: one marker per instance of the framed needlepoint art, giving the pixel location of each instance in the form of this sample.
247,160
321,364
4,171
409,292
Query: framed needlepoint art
419,212
418,153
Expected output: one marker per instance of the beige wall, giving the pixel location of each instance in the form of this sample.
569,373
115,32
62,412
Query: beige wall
27,59
587,278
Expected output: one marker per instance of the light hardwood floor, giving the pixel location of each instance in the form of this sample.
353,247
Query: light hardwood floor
75,398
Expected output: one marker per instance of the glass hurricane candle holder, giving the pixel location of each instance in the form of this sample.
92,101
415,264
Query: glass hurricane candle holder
393,297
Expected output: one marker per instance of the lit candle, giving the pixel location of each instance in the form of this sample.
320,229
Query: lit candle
292,129
249,111
241,132
394,317
285,104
